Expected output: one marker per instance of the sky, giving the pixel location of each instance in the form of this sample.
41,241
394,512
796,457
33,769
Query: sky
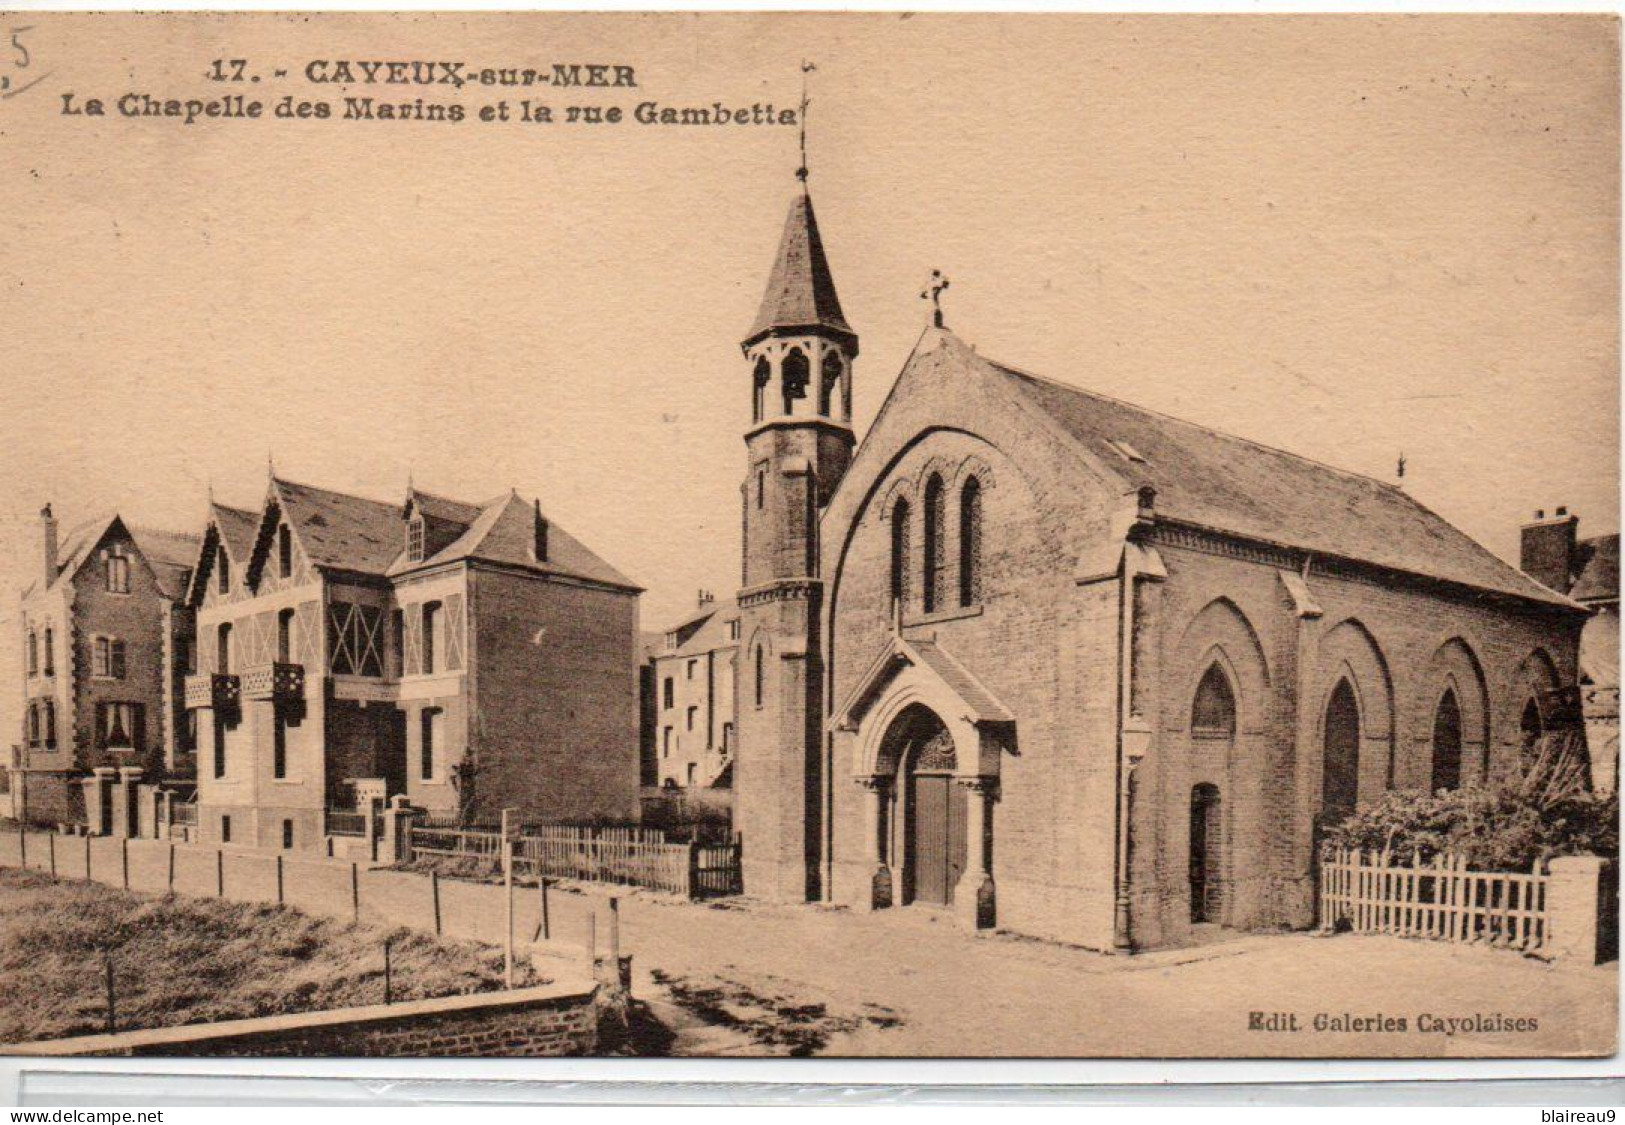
1349,237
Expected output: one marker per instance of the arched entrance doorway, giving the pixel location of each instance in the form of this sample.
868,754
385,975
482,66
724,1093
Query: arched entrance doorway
931,830
1207,883
1340,786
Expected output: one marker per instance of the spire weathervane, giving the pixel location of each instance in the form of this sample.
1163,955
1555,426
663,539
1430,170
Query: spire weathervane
806,69
933,293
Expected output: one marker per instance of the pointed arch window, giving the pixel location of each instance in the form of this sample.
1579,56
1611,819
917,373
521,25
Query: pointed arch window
1213,711
760,378
932,587
1447,742
829,384
795,375
970,542
900,531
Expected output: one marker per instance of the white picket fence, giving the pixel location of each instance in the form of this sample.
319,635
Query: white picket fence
1375,893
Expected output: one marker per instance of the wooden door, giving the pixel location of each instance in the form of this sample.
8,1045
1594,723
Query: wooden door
937,838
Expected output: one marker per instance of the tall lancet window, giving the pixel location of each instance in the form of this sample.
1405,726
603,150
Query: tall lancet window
899,552
829,384
970,542
934,554
761,378
795,374
1447,743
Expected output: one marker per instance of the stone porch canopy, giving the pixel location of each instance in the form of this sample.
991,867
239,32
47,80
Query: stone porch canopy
911,671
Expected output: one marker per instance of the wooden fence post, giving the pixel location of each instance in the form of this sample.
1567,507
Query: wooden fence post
50,844
172,867
355,890
87,855
124,859
546,927
693,876
434,887
592,942
112,1018
22,845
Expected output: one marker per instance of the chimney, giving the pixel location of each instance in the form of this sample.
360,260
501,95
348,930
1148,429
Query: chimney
706,598
47,523
541,532
1548,548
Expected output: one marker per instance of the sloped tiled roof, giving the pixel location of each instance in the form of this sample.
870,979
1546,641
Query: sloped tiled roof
170,554
707,629
1229,484
801,290
443,507
505,532
1599,570
339,531
238,527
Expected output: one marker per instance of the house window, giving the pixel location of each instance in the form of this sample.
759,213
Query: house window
692,664
222,649
970,543
284,636
665,743
692,712
219,747
222,565
430,724
33,655
933,558
431,630
118,574
284,551
120,725
107,659
414,539
225,830
397,641
279,745
691,775
50,651
727,737
287,835
668,693
733,630
900,552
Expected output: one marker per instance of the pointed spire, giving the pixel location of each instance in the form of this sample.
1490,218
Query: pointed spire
800,293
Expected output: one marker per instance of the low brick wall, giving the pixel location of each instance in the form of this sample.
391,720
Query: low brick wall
544,1022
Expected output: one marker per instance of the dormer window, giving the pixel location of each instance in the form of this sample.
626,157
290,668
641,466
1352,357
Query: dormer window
118,574
414,539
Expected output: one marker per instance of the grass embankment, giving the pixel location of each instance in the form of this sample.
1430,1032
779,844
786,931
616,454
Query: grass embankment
180,960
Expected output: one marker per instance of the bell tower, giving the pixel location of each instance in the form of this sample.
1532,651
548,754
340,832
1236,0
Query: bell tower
798,357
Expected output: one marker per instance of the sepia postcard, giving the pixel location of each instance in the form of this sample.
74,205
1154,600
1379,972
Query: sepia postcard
787,534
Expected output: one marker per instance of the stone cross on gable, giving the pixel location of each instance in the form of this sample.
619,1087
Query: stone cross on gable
933,293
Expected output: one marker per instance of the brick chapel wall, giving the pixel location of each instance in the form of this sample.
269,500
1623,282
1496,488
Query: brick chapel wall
1398,644
553,724
1043,644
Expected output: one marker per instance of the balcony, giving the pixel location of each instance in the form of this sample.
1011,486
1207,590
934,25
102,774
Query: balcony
219,690
277,680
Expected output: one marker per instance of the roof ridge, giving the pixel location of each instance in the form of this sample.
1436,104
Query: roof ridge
336,492
1008,369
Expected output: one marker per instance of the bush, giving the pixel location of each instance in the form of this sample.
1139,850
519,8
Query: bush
1506,828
